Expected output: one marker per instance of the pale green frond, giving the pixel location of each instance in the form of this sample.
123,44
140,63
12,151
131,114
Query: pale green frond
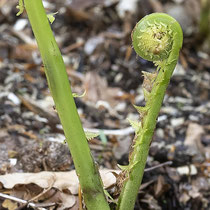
20,6
146,94
90,135
136,125
150,76
123,168
141,109
103,137
127,167
51,17
75,95
109,196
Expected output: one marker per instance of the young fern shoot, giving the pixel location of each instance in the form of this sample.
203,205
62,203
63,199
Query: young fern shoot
157,37
87,171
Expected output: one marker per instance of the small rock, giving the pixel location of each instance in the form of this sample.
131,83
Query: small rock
179,70
187,170
92,43
12,97
175,122
125,6
169,110
201,183
194,118
120,107
13,161
162,118
20,24
160,133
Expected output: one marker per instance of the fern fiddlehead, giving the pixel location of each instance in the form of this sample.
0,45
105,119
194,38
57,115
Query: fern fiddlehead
158,38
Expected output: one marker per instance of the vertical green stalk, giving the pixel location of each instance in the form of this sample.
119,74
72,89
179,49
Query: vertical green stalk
203,37
60,89
158,38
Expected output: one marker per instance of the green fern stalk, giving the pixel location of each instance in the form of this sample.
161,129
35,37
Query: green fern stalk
158,38
58,82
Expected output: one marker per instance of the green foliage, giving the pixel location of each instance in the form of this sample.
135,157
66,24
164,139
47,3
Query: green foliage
90,135
123,168
158,38
60,89
20,6
51,17
109,196
127,168
136,125
75,95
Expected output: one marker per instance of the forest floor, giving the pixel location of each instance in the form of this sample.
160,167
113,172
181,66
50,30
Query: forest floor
94,38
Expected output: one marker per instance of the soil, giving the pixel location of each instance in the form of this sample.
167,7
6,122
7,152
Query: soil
94,38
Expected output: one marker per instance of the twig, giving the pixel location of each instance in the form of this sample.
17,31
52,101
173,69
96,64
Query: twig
40,206
42,193
115,132
80,197
158,166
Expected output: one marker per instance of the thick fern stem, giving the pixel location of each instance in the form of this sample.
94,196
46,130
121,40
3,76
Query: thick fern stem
158,38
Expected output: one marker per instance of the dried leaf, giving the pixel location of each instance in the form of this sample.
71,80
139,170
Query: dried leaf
59,180
10,205
149,79
62,186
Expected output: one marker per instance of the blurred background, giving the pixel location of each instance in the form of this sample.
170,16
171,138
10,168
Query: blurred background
94,37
